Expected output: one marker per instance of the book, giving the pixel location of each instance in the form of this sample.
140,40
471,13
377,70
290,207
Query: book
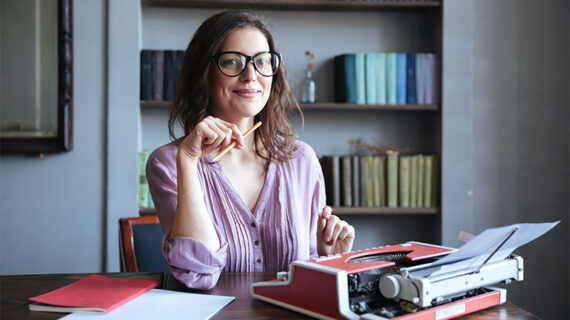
363,169
379,181
428,78
411,78
404,182
355,181
401,79
381,97
391,78
157,75
146,75
392,178
331,173
169,74
371,76
370,176
94,294
420,185
360,78
420,78
143,184
413,181
346,181
344,78
428,176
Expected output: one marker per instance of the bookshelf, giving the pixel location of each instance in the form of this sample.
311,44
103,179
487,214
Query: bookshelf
411,26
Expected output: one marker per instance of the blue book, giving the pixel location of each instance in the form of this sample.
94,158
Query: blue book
420,78
344,78
428,78
360,76
401,78
391,82
381,97
371,75
411,78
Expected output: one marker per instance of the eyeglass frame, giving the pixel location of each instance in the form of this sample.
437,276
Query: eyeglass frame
248,59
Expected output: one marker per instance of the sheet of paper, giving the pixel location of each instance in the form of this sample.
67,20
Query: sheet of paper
163,304
475,252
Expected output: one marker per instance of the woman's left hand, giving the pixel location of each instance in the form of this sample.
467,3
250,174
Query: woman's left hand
333,235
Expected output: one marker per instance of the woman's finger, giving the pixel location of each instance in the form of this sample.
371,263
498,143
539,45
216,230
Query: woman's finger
331,223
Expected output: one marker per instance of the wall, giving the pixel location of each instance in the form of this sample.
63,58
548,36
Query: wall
51,208
506,134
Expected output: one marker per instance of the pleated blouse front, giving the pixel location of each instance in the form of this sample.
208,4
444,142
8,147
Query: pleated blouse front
280,230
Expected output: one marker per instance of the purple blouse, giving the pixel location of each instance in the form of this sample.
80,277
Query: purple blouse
282,228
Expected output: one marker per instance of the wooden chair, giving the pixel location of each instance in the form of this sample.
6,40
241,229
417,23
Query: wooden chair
140,244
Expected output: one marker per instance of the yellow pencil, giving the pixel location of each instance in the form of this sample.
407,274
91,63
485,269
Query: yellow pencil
233,144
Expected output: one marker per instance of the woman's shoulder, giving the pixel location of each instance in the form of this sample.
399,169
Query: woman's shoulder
165,154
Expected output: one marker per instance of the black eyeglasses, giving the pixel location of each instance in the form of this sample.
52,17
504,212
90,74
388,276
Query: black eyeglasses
233,63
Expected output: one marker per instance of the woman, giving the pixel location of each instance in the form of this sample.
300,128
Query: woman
263,204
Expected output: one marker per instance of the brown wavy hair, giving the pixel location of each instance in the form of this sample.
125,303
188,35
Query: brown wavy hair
192,101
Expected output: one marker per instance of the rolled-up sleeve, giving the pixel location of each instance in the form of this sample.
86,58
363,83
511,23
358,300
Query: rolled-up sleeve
189,261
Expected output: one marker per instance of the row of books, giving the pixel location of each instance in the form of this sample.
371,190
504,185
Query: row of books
391,180
386,78
145,199
159,74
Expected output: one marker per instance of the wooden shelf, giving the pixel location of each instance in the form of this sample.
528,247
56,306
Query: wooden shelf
331,106
321,5
354,211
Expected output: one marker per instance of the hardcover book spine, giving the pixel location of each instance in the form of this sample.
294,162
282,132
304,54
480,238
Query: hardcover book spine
346,181
401,78
420,78
428,78
363,183
169,74
376,181
404,182
355,181
331,173
143,185
371,76
157,75
411,78
146,75
360,76
392,168
428,175
370,177
413,181
350,74
420,189
391,78
381,78
339,78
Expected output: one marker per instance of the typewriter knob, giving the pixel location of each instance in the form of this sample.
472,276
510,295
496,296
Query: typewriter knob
389,286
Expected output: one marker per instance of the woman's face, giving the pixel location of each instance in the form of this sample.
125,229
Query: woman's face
243,96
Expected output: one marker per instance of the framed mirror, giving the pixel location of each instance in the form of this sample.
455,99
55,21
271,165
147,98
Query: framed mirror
36,105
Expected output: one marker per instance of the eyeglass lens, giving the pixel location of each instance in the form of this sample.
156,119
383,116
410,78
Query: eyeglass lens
232,64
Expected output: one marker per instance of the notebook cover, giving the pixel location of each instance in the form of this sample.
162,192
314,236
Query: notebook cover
97,291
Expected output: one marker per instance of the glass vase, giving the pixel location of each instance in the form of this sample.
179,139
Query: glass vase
308,89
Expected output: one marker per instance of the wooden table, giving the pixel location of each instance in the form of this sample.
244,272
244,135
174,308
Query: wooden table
15,291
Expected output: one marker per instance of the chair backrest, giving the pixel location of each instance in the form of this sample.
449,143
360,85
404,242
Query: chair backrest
140,244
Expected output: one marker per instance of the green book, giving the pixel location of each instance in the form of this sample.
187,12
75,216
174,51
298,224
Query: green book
420,188
391,71
428,176
376,178
360,77
143,185
381,166
413,181
404,181
434,181
370,177
381,97
363,183
392,175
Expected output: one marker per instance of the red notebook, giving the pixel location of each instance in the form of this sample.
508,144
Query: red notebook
94,294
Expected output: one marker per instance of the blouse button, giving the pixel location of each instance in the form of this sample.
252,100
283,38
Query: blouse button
253,224
258,260
256,242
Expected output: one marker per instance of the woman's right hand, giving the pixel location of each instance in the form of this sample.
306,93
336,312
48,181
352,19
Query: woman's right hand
209,135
